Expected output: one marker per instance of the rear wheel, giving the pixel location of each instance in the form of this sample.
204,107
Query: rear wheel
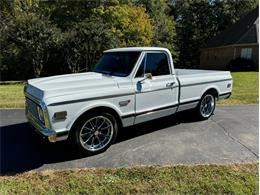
206,106
95,133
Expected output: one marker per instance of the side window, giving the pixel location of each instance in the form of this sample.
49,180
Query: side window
157,64
140,72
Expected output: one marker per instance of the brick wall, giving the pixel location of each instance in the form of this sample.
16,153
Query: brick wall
218,58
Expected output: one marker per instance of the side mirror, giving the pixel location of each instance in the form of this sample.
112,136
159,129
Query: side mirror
146,76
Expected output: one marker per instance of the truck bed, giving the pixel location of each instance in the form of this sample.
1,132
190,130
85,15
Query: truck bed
193,83
197,72
187,77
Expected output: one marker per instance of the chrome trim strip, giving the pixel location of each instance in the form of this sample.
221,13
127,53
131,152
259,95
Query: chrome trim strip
225,95
158,109
187,106
228,93
45,115
138,92
89,99
32,98
189,102
148,111
187,85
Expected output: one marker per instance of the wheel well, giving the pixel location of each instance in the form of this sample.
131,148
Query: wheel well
96,110
212,91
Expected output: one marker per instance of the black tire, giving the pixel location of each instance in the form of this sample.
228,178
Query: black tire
84,125
210,107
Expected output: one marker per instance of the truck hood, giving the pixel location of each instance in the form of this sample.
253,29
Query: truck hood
69,84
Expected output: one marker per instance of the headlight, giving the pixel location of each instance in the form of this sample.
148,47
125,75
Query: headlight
40,114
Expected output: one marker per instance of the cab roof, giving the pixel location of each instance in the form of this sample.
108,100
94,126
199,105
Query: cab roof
137,49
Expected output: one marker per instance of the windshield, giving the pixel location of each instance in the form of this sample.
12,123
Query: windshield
117,63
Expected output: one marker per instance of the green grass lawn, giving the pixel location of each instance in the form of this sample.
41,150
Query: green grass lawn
245,91
180,179
11,96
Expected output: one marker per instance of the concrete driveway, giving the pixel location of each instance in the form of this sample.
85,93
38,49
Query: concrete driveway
231,135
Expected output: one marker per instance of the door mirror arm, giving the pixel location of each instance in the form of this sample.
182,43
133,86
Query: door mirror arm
146,76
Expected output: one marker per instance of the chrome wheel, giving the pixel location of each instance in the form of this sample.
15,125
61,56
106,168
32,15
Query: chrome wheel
96,133
207,106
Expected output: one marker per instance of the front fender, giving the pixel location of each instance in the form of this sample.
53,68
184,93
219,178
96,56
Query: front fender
90,106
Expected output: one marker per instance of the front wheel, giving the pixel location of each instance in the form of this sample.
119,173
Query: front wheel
95,133
206,106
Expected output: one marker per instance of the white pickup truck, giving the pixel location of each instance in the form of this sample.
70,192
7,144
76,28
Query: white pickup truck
127,86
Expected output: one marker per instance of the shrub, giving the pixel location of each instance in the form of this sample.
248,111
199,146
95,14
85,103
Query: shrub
241,64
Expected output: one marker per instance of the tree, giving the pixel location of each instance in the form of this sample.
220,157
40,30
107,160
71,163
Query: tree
64,13
85,42
70,51
34,36
128,23
17,7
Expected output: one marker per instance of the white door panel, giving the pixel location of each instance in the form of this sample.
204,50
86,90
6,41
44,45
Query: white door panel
153,96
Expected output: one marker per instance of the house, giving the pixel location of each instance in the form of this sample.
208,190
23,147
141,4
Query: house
240,40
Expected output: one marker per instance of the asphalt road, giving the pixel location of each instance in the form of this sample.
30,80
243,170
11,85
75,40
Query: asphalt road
231,135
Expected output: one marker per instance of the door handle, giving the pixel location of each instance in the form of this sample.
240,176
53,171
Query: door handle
168,85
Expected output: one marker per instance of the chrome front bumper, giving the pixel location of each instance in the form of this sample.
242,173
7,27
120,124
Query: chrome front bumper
43,129
51,134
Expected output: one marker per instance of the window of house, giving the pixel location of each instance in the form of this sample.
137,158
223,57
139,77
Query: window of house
156,64
246,53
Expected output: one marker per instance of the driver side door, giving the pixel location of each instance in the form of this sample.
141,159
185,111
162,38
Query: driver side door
157,96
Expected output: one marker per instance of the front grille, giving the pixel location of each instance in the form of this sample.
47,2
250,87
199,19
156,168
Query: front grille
31,107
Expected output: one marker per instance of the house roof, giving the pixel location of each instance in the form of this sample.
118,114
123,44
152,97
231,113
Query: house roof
243,31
